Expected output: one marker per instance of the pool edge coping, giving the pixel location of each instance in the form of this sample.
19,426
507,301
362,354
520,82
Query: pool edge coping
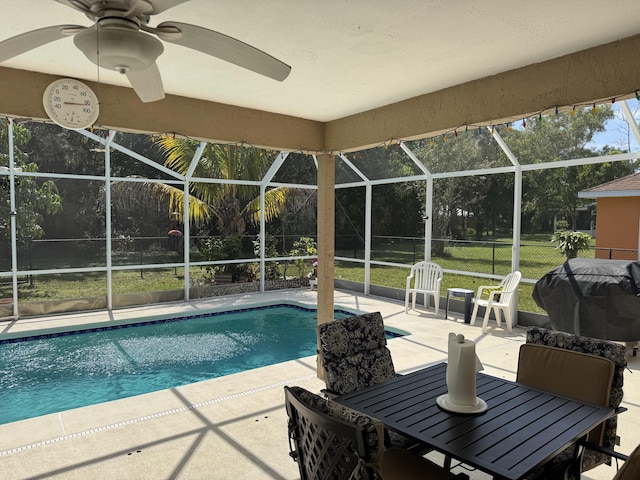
49,332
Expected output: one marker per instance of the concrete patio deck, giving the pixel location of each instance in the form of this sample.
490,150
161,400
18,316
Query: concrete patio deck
234,427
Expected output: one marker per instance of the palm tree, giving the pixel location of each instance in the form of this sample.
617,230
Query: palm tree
230,205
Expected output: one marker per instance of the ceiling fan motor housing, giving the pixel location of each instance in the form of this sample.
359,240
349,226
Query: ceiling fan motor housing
122,40
116,45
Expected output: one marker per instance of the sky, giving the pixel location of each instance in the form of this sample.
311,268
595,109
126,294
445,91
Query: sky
618,133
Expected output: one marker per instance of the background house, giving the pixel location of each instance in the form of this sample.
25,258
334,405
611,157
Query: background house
618,217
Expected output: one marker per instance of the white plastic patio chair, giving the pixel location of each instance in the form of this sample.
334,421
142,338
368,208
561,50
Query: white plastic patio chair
426,277
500,299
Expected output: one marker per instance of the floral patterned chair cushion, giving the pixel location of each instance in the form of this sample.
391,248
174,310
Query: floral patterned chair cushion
352,335
354,353
603,348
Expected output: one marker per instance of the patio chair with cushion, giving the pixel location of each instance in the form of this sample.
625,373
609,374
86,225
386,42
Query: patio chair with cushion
354,355
426,278
615,352
332,442
571,374
501,298
631,468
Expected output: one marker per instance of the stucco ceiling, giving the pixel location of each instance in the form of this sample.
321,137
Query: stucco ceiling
347,56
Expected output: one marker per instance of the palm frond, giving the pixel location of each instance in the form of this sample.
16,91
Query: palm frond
158,197
229,203
276,201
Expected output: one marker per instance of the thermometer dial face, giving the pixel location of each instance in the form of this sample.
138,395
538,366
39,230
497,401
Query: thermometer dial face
71,104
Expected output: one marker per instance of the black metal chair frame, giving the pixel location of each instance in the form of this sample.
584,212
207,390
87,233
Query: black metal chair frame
311,431
343,444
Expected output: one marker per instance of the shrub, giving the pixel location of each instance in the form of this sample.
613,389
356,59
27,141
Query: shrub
303,246
570,243
272,269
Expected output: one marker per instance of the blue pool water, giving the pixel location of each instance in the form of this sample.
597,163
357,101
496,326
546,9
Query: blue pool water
56,372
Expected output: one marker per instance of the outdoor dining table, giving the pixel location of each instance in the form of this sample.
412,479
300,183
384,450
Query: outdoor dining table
521,428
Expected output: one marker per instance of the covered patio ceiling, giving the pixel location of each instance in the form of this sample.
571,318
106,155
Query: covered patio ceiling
362,73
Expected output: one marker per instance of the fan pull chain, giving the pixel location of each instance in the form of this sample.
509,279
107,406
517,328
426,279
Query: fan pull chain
99,88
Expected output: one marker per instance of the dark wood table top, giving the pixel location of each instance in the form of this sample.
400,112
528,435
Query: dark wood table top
521,429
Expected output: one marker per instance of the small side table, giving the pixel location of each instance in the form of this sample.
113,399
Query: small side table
460,292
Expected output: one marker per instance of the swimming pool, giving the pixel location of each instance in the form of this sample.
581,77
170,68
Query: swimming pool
64,370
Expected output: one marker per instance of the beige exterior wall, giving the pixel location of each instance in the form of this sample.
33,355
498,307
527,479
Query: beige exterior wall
587,76
120,109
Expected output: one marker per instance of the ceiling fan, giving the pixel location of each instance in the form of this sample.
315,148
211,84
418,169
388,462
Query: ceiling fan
122,40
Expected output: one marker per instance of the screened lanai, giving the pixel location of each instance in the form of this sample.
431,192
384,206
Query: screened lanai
362,78
365,170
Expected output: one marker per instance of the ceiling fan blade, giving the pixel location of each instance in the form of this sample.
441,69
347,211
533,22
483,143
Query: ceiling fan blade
82,5
224,47
162,5
147,83
24,42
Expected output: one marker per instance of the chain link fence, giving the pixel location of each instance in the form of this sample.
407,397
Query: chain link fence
475,258
483,257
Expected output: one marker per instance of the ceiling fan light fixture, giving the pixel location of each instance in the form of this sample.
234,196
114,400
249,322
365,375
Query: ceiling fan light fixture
122,40
120,49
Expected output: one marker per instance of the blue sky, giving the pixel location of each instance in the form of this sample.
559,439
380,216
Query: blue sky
618,133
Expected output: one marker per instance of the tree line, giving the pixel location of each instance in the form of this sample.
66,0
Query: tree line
481,206
463,207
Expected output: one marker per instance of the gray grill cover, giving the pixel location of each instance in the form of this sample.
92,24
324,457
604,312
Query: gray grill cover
593,297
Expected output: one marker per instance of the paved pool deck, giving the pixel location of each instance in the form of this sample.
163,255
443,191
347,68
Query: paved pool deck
234,427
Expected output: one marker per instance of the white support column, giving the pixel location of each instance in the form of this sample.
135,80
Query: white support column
13,214
517,218
367,237
428,204
263,233
367,222
273,169
517,213
107,202
517,198
428,218
628,116
186,240
186,225
195,160
326,241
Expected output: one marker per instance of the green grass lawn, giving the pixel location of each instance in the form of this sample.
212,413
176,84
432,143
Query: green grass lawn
537,257
396,277
79,285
